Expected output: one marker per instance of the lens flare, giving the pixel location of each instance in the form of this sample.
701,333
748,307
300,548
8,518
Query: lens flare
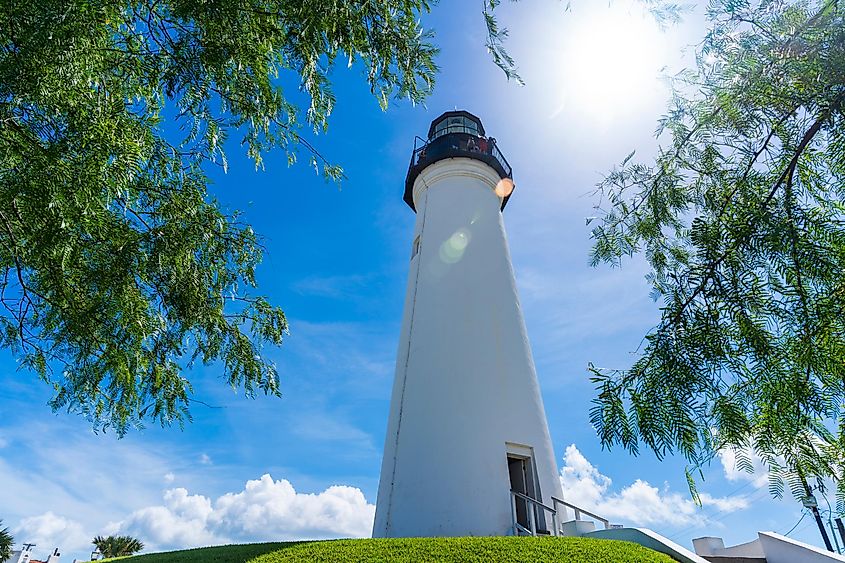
453,248
504,188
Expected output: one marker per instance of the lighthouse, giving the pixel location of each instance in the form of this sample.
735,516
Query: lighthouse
467,451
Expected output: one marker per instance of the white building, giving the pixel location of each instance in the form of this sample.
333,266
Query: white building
25,555
467,424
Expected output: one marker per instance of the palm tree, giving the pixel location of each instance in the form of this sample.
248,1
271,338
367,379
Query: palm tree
117,546
6,541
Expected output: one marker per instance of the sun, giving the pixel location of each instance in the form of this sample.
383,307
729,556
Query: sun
609,61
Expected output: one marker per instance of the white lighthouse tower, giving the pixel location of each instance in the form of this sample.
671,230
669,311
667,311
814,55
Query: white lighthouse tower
467,451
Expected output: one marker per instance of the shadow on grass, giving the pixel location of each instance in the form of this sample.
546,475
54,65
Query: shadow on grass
219,554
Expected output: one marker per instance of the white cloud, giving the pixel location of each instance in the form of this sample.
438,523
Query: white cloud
639,503
724,504
205,459
48,531
77,475
264,510
728,457
181,522
61,466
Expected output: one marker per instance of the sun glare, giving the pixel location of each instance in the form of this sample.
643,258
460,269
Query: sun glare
610,61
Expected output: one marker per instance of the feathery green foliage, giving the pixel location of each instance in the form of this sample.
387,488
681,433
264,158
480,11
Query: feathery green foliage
495,43
117,546
742,219
402,550
117,269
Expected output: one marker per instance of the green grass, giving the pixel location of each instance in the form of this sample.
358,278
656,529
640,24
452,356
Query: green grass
408,550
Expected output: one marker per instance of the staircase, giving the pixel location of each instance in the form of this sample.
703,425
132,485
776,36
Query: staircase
529,517
535,516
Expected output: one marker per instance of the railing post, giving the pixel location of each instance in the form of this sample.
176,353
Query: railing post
513,514
579,511
532,518
554,523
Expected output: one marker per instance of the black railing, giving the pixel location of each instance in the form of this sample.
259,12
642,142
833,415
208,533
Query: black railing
448,143
451,145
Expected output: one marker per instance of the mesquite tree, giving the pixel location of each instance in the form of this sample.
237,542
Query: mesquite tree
742,220
117,268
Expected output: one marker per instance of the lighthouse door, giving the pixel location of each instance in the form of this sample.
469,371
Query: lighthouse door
523,480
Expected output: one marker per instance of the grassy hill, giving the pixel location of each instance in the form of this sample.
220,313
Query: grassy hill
408,550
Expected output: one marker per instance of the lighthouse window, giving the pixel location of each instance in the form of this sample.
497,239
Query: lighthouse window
457,124
415,249
470,126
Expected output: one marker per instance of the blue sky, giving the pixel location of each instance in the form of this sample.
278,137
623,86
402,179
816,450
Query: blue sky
337,260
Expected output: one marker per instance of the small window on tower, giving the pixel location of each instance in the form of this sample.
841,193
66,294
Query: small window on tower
416,247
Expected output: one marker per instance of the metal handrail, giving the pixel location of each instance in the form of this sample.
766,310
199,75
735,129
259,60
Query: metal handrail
533,500
492,150
520,528
578,511
532,516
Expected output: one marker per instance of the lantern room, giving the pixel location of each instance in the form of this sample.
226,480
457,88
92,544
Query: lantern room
456,134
